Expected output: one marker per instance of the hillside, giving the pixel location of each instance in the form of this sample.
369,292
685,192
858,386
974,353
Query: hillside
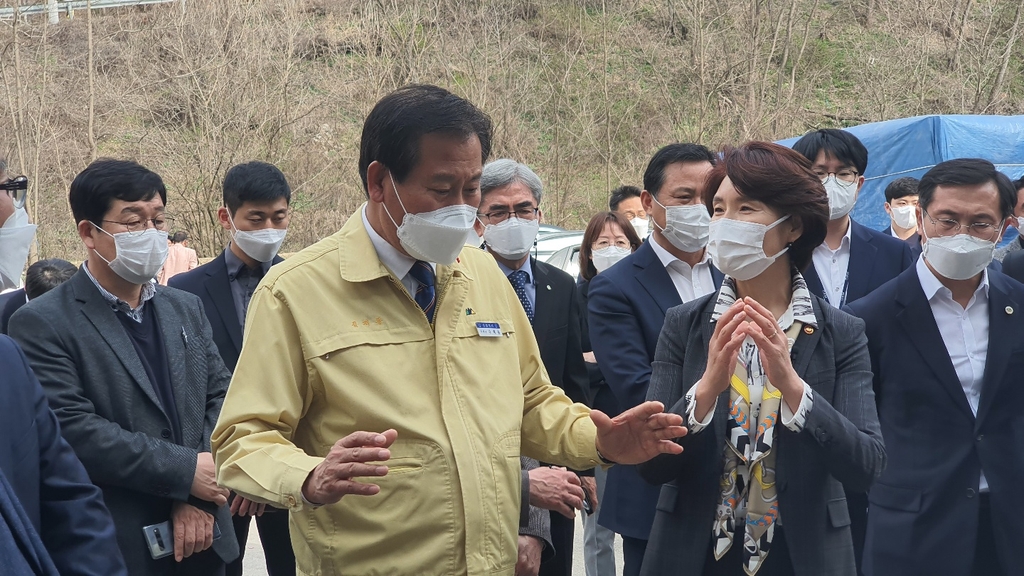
583,90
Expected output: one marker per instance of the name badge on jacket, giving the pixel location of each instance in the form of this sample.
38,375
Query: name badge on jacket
488,329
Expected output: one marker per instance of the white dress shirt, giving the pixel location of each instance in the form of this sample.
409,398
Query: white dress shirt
690,282
833,268
963,331
399,264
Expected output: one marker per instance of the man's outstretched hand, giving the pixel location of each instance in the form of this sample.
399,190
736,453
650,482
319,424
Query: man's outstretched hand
638,434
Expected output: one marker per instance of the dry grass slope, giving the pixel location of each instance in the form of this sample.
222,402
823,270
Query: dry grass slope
582,90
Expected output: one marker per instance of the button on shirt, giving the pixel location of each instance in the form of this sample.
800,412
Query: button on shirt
690,283
833,268
531,283
243,281
963,331
399,264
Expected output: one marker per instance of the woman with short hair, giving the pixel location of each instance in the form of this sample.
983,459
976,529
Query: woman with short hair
775,386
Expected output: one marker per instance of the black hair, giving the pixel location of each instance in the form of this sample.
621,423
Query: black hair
179,237
901,188
968,172
45,275
394,128
1019,183
624,192
838,144
105,180
654,175
254,182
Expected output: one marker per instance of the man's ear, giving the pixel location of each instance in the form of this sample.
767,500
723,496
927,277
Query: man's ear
478,227
647,201
888,209
85,232
540,216
860,183
224,218
376,175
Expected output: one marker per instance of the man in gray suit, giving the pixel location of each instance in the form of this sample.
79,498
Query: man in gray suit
131,370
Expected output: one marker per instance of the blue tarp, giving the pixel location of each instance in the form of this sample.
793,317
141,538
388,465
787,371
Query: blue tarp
910,146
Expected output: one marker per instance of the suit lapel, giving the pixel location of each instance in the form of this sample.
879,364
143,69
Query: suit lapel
813,282
1000,342
803,350
113,333
862,257
543,305
219,288
716,276
921,330
176,338
655,279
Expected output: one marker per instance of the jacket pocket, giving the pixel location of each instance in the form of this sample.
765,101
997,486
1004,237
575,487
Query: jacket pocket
838,512
894,498
506,469
667,498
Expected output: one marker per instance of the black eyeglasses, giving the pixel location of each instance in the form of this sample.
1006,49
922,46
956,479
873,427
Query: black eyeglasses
499,216
140,225
16,188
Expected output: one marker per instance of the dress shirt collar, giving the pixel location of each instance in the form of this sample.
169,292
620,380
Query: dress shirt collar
800,307
526,267
235,264
667,258
398,263
843,244
933,287
148,291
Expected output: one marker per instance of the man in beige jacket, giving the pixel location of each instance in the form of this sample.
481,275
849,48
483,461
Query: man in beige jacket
388,352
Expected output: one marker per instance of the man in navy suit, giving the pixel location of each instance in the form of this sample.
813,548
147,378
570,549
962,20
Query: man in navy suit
853,260
54,519
256,214
627,306
946,340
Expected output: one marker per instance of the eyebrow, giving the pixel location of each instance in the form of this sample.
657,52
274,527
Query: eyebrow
140,211
448,177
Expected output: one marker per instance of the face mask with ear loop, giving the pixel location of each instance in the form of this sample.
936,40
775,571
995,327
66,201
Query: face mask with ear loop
737,247
437,236
16,236
139,256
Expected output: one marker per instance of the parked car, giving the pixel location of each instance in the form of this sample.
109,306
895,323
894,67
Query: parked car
567,259
547,230
552,243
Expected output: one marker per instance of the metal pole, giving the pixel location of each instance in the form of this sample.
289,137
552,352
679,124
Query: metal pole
51,8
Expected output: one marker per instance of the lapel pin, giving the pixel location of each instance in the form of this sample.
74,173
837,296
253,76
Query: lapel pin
808,329
1009,309
549,286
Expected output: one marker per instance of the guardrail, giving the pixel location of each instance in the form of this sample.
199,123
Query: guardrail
54,7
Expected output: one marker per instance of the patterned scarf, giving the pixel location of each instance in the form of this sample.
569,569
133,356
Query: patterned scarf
748,477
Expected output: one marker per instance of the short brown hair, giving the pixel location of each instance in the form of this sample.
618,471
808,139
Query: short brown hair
783,180
594,229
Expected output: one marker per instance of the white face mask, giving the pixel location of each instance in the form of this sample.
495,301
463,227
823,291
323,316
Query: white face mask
841,196
513,238
437,236
904,216
16,237
608,256
260,245
737,247
958,257
139,256
641,225
686,227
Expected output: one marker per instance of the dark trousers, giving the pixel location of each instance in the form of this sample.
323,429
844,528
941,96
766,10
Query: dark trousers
776,564
633,550
277,545
986,557
562,530
857,503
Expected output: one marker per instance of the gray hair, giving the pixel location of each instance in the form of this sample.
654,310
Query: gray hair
503,172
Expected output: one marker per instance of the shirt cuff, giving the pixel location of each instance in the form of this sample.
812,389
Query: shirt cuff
691,405
795,422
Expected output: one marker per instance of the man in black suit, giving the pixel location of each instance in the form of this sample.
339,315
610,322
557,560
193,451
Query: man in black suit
40,278
132,373
255,214
901,206
1017,244
508,220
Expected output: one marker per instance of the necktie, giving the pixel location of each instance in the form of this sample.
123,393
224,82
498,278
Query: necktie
518,280
424,274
